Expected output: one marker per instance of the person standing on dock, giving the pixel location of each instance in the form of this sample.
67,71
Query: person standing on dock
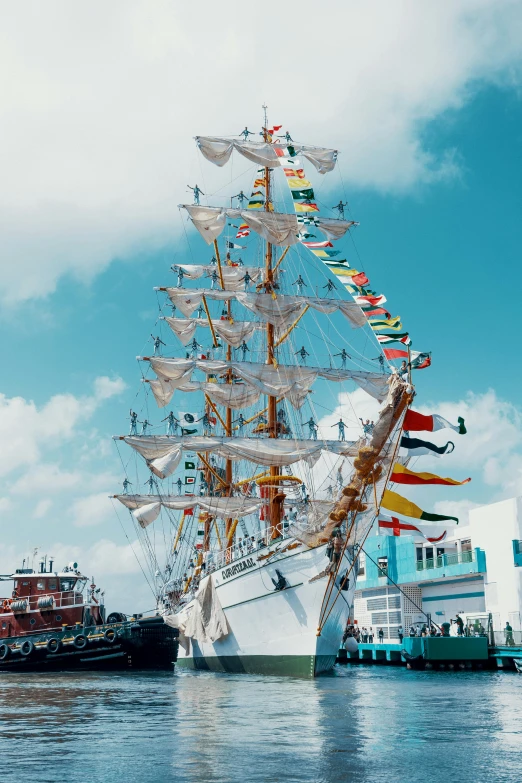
400,634
508,634
380,634
370,636
460,625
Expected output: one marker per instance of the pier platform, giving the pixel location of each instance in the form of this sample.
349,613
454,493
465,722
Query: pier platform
503,655
429,650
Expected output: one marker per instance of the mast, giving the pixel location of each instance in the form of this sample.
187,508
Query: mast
275,507
228,414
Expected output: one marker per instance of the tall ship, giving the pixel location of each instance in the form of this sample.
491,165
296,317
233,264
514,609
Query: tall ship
269,421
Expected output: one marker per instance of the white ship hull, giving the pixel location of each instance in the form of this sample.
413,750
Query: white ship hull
276,631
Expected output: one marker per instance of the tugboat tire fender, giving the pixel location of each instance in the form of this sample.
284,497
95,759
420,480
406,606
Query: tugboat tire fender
53,645
5,652
26,648
110,636
80,642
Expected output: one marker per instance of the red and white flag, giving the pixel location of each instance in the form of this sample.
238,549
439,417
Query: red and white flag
393,526
394,353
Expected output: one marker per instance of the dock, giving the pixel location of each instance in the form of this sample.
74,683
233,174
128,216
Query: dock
430,652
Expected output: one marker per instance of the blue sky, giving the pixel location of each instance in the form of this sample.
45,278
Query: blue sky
437,191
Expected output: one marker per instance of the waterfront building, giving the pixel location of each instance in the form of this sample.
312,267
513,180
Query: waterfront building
475,572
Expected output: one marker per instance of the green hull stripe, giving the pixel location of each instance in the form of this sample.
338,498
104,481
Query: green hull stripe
303,666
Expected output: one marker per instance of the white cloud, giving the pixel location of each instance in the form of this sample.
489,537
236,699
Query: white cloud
27,430
102,101
5,504
456,508
42,507
490,452
492,448
91,510
48,478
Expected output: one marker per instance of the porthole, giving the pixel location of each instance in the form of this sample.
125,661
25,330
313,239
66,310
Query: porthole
4,625
32,621
58,618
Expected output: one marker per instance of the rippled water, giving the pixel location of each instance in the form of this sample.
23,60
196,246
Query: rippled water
362,724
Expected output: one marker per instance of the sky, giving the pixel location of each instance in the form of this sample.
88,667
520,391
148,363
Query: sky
99,105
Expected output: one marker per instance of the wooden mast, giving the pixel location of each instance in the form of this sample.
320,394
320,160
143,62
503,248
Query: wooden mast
274,505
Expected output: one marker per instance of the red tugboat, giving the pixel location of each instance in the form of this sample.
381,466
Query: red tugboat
47,624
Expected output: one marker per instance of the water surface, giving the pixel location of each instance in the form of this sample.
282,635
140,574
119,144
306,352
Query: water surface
362,724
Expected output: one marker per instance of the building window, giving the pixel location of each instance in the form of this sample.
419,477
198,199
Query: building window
394,602
467,554
375,603
382,562
362,564
419,553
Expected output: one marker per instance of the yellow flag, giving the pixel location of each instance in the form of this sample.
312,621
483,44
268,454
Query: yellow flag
294,183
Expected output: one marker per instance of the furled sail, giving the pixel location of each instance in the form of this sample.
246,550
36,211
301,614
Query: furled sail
283,310
146,508
163,452
290,381
280,312
278,228
235,396
234,333
219,149
233,276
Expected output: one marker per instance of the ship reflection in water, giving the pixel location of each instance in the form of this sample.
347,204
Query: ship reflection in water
361,724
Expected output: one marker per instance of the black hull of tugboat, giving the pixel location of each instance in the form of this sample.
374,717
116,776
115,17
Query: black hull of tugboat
141,644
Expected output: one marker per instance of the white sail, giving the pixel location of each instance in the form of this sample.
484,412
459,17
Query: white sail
279,228
218,150
280,312
217,506
234,333
158,450
232,395
233,276
289,381
283,310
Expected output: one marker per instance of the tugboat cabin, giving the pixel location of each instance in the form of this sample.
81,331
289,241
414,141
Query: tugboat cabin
47,600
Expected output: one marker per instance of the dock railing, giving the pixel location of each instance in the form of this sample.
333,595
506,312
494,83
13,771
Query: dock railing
505,638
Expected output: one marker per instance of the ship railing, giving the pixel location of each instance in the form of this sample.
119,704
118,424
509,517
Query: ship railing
242,549
61,600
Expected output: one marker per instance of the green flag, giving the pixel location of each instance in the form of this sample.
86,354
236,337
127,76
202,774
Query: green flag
307,193
190,466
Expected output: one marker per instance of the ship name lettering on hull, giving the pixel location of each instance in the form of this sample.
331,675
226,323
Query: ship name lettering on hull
238,567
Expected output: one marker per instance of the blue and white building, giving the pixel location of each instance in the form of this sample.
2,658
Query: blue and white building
475,572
